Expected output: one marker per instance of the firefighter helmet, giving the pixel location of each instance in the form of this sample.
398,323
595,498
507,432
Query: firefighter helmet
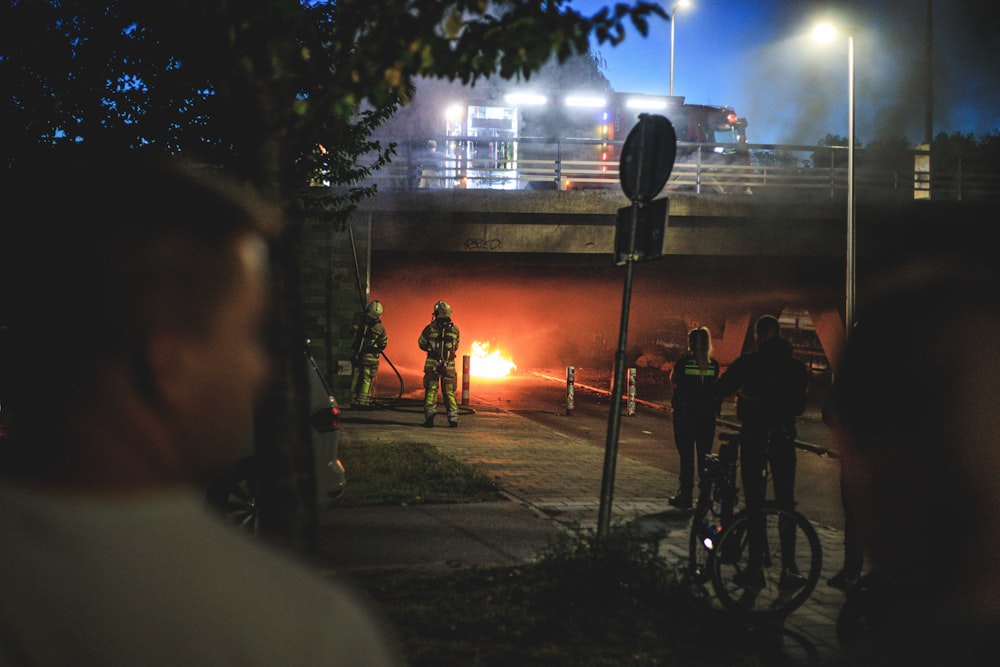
442,309
375,309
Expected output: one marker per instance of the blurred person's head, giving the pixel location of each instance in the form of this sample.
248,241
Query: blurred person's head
134,301
916,417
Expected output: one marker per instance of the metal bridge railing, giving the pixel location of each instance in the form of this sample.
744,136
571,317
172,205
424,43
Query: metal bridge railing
700,168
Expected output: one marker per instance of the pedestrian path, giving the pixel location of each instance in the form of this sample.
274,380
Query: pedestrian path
560,477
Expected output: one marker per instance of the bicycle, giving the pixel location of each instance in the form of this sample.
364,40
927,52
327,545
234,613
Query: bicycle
762,583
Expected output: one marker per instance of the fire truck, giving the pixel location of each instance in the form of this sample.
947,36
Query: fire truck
583,135
711,140
539,140
719,127
696,123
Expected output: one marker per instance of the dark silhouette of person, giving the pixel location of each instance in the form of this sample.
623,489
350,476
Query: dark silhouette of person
772,386
854,553
915,422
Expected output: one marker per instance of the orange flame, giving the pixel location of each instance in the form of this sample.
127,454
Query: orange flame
486,364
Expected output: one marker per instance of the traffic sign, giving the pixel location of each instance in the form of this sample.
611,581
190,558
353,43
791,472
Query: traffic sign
647,157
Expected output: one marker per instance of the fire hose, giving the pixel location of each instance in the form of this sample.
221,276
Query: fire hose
363,302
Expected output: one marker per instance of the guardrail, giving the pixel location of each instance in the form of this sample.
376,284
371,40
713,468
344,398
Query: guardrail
571,164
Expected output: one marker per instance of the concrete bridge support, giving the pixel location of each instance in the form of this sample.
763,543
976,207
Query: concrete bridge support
737,334
831,332
729,346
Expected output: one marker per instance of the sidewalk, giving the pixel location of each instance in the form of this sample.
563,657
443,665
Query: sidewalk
556,482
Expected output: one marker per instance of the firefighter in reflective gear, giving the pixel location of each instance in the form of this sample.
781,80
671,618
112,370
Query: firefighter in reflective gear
370,339
439,340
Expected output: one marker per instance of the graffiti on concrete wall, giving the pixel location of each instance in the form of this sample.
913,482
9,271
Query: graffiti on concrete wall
489,245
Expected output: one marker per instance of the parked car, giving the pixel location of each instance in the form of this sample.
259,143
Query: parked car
235,492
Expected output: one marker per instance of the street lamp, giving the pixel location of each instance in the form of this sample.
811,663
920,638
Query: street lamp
826,32
680,3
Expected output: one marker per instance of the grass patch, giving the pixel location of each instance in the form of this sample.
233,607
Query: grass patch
583,603
410,473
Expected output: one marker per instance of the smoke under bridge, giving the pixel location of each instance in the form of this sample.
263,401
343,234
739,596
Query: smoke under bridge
548,311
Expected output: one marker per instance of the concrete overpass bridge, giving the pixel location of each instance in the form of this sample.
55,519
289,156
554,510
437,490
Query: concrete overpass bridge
536,265
531,270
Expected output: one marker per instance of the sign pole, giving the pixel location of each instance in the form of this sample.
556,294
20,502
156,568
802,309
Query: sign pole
614,416
646,162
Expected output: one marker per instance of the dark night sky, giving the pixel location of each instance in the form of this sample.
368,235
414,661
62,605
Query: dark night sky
757,56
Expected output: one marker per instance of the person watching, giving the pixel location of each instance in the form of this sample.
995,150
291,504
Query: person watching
772,386
915,423
135,296
695,409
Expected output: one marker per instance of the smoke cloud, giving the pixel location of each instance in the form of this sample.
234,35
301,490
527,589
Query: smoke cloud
797,89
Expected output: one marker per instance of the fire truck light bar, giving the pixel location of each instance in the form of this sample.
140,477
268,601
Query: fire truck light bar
525,98
646,104
586,102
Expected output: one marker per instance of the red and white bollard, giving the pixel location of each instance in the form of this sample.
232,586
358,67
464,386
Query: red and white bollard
630,408
570,379
466,367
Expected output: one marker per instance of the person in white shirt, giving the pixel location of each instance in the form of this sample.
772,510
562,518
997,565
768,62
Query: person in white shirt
135,295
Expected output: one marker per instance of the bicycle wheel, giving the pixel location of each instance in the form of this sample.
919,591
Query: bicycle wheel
705,521
767,563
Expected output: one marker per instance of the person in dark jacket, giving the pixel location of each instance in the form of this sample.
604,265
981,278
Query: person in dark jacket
854,553
923,460
771,385
695,409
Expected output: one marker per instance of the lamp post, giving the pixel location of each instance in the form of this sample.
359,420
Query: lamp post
851,239
680,3
825,32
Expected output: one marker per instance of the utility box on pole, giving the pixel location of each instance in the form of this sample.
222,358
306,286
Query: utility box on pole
650,231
